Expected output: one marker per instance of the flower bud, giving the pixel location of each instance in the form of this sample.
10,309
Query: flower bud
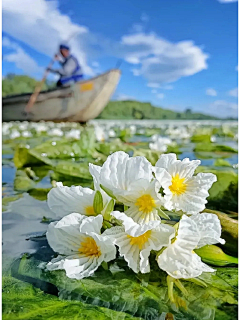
98,202
214,255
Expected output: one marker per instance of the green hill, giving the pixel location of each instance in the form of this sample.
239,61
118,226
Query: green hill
140,110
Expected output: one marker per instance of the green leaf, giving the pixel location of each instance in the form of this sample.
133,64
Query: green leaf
222,163
39,193
20,300
98,202
22,157
79,170
206,138
125,291
22,182
210,147
108,148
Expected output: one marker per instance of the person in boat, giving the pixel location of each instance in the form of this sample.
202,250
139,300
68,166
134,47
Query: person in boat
70,70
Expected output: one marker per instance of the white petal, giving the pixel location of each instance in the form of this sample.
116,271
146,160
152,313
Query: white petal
95,172
77,269
106,247
63,200
181,263
166,160
188,234
184,168
119,171
56,263
64,236
140,217
144,264
91,225
206,180
163,177
209,227
132,228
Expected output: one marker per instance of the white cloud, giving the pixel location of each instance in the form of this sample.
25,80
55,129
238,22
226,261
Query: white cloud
157,85
137,27
42,26
124,97
20,58
95,64
154,91
6,42
233,92
153,85
144,17
227,1
168,87
211,92
160,95
223,109
161,60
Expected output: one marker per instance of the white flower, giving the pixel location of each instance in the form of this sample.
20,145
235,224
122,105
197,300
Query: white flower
14,134
160,143
100,134
133,129
136,241
55,132
213,138
178,259
111,133
81,246
73,133
63,200
23,126
26,134
183,191
131,181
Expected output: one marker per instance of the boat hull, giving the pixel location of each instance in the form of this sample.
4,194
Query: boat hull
79,102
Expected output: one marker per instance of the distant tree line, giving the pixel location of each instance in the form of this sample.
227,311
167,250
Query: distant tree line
16,84
139,110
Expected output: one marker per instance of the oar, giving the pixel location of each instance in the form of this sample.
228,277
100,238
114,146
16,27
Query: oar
35,94
37,90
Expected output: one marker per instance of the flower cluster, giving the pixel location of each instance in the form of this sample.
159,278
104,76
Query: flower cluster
90,231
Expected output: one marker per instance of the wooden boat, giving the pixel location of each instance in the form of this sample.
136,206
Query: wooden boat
79,102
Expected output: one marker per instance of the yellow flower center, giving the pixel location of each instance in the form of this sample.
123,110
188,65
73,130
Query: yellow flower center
89,248
141,240
178,186
90,211
145,203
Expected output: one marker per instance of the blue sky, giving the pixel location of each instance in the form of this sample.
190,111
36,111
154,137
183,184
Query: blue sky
175,54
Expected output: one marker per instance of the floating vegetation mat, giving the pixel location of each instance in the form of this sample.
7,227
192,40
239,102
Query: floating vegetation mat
120,221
